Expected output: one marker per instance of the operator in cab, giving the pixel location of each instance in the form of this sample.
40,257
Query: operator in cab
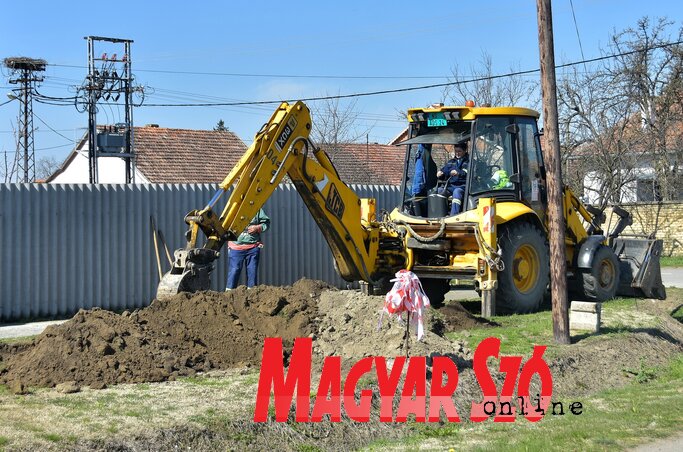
455,174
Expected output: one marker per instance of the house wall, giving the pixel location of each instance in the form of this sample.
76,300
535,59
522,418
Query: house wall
110,170
665,219
67,247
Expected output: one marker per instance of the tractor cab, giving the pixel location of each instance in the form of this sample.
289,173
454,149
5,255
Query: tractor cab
503,153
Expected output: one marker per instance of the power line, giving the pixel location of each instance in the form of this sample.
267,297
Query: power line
414,88
238,74
48,126
47,99
576,27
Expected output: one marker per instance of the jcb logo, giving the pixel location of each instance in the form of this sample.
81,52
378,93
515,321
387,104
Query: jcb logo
286,133
334,202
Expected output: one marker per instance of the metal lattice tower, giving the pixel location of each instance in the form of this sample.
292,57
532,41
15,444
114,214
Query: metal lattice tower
109,77
23,70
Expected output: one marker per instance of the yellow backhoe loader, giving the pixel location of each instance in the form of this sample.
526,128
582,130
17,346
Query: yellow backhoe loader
499,240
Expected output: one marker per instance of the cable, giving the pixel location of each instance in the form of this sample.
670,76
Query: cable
48,126
54,98
576,27
416,88
397,90
55,147
237,74
6,102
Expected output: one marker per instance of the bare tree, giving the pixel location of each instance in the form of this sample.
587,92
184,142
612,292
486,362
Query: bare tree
46,166
9,172
651,77
484,88
8,167
619,121
336,123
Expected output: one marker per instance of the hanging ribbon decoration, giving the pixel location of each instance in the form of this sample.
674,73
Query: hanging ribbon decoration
408,296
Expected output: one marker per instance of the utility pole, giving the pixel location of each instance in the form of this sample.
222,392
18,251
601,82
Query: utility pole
109,76
24,69
553,164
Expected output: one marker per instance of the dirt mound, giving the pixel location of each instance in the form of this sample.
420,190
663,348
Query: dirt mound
191,333
180,336
350,328
454,317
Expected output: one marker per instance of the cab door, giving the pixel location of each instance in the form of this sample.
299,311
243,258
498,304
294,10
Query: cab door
531,171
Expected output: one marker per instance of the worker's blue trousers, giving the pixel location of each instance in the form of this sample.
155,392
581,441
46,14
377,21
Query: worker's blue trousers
236,260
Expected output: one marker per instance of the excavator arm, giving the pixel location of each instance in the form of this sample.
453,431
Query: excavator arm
282,147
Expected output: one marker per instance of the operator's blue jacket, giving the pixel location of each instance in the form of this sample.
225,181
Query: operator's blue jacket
461,166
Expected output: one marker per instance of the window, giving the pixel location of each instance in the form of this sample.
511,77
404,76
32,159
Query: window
491,155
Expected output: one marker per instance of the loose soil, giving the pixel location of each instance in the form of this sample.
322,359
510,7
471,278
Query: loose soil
199,332
175,337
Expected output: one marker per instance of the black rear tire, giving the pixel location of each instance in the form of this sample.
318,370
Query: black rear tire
601,281
436,290
523,282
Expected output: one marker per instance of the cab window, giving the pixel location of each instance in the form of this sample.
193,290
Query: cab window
491,156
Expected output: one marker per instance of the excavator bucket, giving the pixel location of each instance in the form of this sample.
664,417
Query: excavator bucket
190,272
640,273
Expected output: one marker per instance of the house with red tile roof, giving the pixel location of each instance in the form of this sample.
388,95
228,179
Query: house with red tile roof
166,155
162,155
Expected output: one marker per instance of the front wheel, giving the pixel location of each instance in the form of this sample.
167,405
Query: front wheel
524,280
601,281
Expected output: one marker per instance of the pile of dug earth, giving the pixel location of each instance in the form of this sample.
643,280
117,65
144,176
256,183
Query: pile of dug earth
192,333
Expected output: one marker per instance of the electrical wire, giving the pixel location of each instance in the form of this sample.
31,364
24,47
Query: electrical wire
379,92
416,88
576,27
48,126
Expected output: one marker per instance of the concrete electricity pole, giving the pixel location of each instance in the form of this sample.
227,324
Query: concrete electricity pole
552,158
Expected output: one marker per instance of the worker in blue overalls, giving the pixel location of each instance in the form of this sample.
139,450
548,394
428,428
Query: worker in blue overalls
455,173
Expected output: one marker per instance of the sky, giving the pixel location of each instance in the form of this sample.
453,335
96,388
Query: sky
229,51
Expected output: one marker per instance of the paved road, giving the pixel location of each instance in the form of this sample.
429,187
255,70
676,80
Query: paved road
671,444
672,276
25,329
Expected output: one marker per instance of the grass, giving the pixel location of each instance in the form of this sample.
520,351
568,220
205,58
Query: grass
678,313
611,420
671,261
17,340
519,333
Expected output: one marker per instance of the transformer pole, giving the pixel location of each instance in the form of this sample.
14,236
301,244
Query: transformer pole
553,163
107,82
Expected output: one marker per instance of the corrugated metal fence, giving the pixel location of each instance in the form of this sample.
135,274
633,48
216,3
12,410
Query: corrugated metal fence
66,247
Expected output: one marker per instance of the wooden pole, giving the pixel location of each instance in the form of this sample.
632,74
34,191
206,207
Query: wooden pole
553,164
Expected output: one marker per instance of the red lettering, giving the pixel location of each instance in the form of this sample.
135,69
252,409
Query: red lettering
330,383
509,365
272,375
536,365
387,385
360,412
415,383
486,348
441,396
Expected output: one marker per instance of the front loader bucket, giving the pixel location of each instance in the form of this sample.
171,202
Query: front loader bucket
640,273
